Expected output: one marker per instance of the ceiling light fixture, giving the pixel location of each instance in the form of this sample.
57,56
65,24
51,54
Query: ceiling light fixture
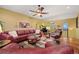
39,11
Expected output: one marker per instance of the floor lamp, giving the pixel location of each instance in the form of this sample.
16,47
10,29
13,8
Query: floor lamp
65,27
67,34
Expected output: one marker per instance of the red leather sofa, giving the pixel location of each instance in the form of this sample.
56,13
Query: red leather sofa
22,35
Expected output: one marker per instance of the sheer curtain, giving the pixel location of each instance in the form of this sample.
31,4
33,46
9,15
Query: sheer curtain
0,28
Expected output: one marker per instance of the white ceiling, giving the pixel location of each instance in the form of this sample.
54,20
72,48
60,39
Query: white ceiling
54,11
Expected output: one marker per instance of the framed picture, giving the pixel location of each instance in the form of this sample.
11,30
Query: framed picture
23,24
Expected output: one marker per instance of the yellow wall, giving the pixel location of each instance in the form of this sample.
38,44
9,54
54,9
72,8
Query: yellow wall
12,19
77,30
77,33
71,22
72,27
73,32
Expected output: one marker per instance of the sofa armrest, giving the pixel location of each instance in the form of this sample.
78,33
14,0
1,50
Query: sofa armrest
5,36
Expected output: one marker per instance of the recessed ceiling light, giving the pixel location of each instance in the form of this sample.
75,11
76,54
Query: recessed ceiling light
67,7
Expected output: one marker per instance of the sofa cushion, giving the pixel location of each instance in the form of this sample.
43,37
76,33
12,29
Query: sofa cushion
22,36
19,38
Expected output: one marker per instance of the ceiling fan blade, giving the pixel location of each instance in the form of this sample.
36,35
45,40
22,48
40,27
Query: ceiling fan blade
34,11
31,10
34,14
39,11
44,13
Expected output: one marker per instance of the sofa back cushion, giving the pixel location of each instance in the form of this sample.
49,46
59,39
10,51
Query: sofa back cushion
32,31
27,31
20,32
6,32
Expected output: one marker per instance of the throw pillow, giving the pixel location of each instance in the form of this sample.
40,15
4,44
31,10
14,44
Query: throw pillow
13,33
37,31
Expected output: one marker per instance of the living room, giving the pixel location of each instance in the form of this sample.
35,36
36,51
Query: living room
39,29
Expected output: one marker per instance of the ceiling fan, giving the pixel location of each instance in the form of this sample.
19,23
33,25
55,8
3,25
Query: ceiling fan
39,11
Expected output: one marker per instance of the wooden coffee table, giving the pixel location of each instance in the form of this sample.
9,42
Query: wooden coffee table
4,42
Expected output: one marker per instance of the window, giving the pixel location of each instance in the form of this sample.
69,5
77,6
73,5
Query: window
0,28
